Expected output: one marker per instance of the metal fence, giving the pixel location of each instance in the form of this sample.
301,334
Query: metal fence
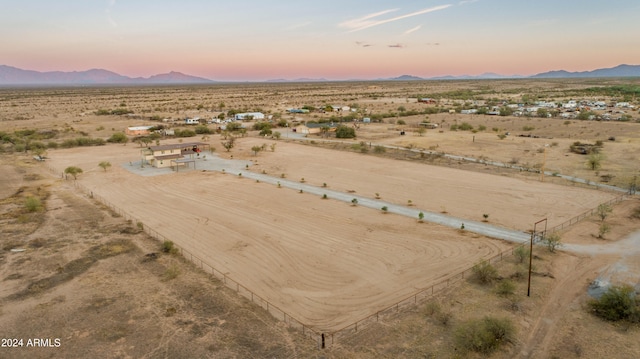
325,339
584,215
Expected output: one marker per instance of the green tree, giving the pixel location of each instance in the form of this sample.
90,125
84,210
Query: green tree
553,241
542,112
73,170
256,149
617,303
345,132
104,165
229,143
118,137
603,211
594,161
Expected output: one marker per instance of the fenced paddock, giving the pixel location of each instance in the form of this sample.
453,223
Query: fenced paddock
323,267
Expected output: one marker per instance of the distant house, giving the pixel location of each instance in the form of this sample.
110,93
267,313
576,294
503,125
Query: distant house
138,130
298,110
469,112
249,115
172,155
427,100
315,128
192,121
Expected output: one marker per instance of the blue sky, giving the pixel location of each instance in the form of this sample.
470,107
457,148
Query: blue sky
260,40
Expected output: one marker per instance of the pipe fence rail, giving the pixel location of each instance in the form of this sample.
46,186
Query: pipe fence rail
330,337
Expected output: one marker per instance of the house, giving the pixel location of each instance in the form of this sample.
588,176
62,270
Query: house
427,100
315,128
249,116
192,121
138,130
298,110
172,155
469,112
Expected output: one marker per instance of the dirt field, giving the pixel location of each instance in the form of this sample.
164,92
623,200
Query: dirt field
84,275
324,262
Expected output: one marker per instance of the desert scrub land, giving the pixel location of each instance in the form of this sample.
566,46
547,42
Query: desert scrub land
75,269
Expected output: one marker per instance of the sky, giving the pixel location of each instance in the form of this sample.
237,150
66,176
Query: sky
259,40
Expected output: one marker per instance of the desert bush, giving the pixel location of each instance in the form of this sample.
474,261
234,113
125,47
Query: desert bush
604,229
484,272
616,304
484,335
603,211
73,170
553,241
118,137
32,204
203,130
171,272
345,132
505,288
521,253
169,247
379,149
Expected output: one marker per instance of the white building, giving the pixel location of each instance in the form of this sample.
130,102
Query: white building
249,115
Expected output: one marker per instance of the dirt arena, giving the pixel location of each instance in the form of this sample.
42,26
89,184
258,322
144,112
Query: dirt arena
324,262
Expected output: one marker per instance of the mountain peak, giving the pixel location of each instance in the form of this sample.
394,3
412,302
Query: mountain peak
14,76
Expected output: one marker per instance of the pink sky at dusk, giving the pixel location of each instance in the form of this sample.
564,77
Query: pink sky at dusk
251,40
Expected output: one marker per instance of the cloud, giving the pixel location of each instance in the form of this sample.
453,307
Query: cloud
412,30
398,46
368,21
363,44
110,5
464,2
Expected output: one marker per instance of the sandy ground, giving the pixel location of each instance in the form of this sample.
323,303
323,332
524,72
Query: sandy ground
324,262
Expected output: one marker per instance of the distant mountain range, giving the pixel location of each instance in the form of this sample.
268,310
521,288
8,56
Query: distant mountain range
13,76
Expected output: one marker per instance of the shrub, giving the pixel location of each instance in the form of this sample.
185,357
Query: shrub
32,204
73,170
118,137
617,303
552,241
379,149
484,272
484,335
168,247
505,288
171,272
345,132
521,253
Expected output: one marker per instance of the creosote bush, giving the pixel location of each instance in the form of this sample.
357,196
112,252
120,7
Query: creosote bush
32,204
616,304
521,253
168,247
505,288
484,272
484,335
